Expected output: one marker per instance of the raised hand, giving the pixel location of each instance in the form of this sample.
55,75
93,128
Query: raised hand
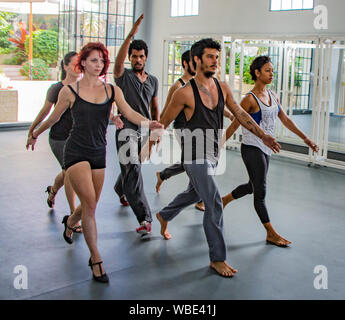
136,25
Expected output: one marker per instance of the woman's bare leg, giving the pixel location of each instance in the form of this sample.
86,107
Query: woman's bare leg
88,185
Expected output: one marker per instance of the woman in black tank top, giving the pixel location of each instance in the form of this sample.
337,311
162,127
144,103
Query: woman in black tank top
59,132
91,102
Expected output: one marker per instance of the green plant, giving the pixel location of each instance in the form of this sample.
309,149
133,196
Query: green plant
7,50
40,70
5,27
18,58
44,44
247,60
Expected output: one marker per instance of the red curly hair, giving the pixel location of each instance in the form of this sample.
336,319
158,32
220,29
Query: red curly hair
85,52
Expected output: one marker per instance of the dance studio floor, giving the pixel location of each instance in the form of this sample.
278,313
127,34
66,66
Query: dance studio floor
306,205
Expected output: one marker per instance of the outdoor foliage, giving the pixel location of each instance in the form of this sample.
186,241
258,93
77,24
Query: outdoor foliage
44,45
40,70
5,27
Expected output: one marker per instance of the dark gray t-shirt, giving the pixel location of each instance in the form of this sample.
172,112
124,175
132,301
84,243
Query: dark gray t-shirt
137,94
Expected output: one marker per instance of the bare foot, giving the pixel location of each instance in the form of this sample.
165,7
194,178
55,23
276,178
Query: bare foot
277,240
164,227
200,206
159,182
227,199
223,269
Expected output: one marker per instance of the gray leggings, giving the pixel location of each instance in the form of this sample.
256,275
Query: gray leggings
202,186
57,147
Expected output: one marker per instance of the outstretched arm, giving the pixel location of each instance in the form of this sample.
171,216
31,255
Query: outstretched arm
132,115
174,107
288,123
228,114
64,101
171,111
41,116
119,66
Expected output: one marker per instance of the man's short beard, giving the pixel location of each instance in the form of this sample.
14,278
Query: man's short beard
209,74
136,69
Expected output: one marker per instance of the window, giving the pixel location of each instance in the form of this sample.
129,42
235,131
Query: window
180,8
83,21
281,5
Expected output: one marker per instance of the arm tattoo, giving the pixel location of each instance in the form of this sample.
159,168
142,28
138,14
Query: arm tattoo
250,124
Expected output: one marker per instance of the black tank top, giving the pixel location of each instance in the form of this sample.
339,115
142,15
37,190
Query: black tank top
204,121
90,122
180,120
60,130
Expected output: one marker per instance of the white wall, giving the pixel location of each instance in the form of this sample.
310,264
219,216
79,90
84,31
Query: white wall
226,17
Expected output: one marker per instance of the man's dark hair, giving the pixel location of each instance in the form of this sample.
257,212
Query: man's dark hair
138,45
257,64
185,57
197,48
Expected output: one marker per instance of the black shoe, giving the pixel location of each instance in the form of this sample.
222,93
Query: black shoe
50,191
69,240
103,277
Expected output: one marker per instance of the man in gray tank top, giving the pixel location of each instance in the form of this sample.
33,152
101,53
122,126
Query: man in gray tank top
140,91
212,95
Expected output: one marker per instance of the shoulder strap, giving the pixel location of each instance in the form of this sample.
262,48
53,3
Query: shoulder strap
256,98
106,91
69,86
112,98
197,97
220,92
182,82
273,96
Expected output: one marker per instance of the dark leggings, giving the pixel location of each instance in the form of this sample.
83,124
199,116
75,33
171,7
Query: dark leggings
256,163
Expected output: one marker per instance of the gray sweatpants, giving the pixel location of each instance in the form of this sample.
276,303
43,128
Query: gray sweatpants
130,181
202,186
176,168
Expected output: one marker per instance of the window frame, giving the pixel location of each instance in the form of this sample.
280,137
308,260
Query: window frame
299,9
184,14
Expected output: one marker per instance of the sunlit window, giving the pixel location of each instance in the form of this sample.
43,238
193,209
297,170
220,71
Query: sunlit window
280,5
180,8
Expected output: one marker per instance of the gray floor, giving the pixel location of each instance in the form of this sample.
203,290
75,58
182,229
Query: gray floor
306,205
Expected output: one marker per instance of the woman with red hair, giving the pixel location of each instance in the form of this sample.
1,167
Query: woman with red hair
91,101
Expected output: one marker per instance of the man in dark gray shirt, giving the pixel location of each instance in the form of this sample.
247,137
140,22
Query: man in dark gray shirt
140,91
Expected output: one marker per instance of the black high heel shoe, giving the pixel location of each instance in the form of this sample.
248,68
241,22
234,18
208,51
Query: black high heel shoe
69,240
103,278
50,191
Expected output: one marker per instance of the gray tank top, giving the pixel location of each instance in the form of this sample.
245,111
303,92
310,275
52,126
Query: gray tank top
267,123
